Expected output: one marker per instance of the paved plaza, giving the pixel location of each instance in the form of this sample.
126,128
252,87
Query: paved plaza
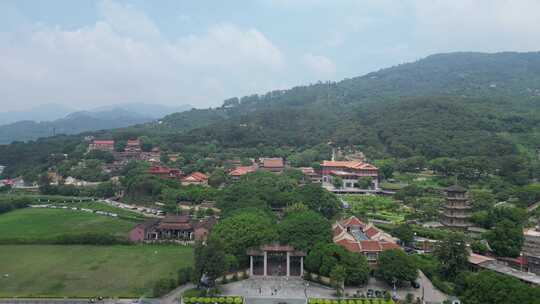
276,287
268,290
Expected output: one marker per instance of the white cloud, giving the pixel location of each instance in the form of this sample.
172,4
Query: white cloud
322,67
485,25
126,20
123,57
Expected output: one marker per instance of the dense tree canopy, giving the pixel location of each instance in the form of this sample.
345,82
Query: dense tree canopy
326,256
506,238
395,266
243,231
304,229
489,287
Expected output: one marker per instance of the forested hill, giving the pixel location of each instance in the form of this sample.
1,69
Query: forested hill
438,106
445,105
506,78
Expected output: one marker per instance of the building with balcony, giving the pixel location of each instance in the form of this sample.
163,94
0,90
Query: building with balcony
349,172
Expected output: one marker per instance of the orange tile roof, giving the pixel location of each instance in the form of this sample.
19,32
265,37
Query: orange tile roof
388,245
239,171
196,176
348,164
352,221
349,245
371,232
103,142
272,162
370,245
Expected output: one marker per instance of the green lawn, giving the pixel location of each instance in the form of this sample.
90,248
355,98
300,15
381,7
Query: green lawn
423,180
377,207
85,271
42,225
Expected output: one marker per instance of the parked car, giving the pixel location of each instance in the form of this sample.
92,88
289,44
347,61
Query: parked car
415,284
370,293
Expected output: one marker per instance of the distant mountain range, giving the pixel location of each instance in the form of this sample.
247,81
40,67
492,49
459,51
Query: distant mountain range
45,112
34,123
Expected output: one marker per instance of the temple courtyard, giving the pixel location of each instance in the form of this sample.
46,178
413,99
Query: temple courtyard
270,289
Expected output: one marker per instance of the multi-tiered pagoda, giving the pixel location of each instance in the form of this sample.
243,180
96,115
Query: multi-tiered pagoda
457,210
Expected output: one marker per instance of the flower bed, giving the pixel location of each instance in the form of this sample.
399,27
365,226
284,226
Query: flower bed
351,301
211,300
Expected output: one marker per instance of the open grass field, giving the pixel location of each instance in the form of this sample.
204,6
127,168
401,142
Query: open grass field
42,225
85,271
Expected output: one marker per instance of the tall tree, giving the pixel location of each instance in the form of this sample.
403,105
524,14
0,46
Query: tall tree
337,277
453,255
404,233
217,178
506,238
395,266
210,261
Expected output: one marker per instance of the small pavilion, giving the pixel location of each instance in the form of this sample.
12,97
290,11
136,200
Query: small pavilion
276,260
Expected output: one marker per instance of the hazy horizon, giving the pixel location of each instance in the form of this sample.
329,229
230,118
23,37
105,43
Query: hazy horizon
90,54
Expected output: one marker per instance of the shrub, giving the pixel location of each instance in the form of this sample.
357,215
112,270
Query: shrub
162,287
184,275
90,239
193,293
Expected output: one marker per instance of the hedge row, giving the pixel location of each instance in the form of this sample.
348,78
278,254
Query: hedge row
208,300
10,203
71,239
350,301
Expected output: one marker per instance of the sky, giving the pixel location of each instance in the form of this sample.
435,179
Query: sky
86,54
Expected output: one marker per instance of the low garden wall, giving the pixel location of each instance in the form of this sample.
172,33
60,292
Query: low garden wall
233,277
351,301
317,278
211,300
